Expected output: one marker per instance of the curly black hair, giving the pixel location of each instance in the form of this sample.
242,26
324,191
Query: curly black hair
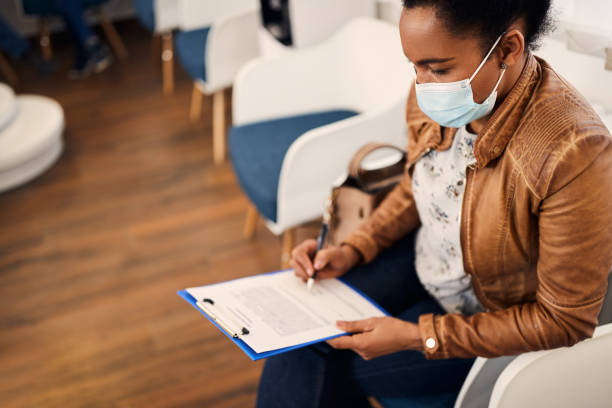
489,18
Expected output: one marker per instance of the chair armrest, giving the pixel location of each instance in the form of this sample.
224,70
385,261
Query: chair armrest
317,159
232,42
166,15
478,385
196,14
562,377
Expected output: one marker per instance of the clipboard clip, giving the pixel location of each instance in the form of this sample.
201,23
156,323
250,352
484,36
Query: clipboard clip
235,334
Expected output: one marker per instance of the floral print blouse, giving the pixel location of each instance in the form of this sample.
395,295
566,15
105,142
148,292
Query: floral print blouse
438,183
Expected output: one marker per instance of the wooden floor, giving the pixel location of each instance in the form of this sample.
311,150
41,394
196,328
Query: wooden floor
93,252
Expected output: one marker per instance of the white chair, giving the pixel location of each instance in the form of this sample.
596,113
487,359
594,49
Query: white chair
31,130
585,72
390,10
43,10
561,378
216,39
577,376
359,77
314,21
161,18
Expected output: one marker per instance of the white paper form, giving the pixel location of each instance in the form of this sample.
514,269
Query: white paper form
278,311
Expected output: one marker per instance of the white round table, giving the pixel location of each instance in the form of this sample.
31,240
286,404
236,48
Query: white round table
30,140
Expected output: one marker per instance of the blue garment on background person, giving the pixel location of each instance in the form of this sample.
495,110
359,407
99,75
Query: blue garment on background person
11,43
320,376
85,39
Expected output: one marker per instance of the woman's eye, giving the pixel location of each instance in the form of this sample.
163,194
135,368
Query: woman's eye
439,71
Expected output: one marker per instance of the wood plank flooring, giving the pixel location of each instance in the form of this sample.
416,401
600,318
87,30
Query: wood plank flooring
93,252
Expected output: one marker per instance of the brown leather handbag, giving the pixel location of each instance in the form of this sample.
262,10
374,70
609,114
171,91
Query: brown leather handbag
361,192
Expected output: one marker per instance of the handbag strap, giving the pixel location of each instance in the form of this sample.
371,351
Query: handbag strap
355,169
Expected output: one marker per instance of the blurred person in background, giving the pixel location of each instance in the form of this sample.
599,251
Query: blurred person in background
91,54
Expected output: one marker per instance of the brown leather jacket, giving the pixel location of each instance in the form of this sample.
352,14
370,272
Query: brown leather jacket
536,226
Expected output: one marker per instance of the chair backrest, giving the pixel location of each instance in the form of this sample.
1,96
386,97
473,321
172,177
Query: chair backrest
585,72
196,14
313,21
166,15
478,387
371,69
577,376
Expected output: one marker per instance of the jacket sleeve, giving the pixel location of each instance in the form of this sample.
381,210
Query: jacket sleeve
574,260
391,220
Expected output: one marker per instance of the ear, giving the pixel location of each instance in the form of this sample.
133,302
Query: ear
512,47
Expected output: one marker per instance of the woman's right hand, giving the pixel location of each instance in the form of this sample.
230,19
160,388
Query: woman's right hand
330,262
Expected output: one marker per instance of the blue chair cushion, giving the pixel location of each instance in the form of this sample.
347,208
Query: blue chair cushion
443,400
145,13
41,7
258,150
190,47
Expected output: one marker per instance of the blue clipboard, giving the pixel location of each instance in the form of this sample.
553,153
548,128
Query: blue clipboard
248,350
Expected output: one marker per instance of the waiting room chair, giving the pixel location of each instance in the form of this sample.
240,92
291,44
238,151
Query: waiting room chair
565,377
314,21
215,40
585,72
299,117
43,9
161,18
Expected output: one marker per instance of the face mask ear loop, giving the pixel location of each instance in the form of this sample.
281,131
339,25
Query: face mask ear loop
486,56
503,71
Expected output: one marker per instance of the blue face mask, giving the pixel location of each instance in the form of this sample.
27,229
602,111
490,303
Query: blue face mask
451,104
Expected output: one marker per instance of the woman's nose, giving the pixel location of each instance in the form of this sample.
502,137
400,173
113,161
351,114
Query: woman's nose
423,76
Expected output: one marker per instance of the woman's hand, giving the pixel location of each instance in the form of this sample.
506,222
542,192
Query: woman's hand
329,262
378,336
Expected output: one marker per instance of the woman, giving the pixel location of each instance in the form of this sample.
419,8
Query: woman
498,239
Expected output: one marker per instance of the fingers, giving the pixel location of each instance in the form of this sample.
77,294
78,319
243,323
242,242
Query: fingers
305,264
300,259
343,342
356,326
354,342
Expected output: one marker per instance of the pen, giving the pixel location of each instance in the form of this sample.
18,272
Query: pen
320,242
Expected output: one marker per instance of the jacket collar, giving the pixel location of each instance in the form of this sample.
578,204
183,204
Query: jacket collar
498,131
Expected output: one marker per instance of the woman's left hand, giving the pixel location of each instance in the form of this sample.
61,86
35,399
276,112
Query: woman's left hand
378,336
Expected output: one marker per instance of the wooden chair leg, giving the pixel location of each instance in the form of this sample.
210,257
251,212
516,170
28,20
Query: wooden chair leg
113,37
195,111
219,127
167,57
251,221
287,247
7,71
45,39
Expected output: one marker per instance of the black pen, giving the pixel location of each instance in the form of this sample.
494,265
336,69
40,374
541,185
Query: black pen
320,242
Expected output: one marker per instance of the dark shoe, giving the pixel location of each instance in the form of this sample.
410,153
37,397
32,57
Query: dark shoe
98,61
102,59
81,70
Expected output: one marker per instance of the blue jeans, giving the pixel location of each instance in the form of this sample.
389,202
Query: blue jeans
85,40
319,376
12,43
